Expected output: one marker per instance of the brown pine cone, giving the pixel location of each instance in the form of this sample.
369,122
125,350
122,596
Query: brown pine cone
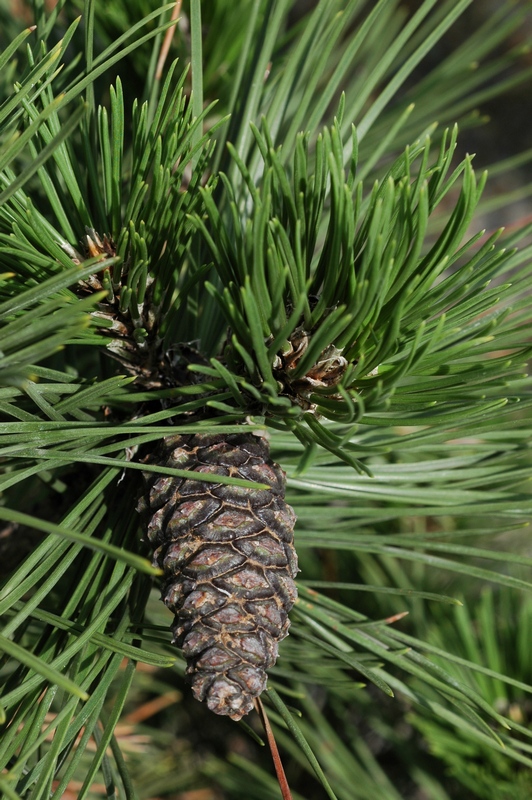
228,559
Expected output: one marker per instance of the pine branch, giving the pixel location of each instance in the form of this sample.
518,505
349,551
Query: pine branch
314,277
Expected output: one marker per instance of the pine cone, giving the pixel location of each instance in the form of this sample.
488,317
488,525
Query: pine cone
228,560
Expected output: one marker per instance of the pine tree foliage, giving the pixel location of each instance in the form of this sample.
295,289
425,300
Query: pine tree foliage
290,235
